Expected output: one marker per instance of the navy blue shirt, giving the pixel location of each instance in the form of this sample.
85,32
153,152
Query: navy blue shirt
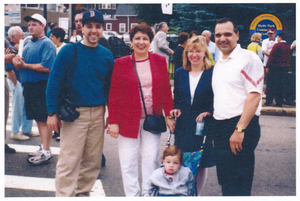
91,79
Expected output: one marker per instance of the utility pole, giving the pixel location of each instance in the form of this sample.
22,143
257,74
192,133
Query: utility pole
45,16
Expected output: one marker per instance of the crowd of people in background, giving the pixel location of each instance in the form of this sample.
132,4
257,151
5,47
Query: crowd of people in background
219,83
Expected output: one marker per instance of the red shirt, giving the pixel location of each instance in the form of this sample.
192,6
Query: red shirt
280,55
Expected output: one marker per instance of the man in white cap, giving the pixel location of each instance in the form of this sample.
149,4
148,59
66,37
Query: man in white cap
35,64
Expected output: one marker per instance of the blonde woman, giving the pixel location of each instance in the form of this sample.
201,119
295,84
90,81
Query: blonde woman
193,102
254,46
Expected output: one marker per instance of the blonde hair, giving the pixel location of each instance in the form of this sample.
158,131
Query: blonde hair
198,42
256,37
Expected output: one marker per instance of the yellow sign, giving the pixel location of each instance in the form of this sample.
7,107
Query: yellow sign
263,22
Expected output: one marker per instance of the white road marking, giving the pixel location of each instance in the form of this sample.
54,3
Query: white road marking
31,148
44,184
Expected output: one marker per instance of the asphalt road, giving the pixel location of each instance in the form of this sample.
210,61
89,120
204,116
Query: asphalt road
275,171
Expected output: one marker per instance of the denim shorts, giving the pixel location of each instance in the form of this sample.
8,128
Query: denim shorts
35,100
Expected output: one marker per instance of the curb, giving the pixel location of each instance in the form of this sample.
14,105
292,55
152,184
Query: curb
278,111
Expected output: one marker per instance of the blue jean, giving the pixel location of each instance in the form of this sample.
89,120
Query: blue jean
19,119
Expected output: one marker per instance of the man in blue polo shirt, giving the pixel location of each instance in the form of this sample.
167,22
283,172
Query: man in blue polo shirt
81,142
38,56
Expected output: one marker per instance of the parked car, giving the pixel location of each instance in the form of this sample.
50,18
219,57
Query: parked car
126,38
108,34
118,47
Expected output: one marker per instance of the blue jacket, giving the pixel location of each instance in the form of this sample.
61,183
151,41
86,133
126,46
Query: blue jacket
182,183
185,137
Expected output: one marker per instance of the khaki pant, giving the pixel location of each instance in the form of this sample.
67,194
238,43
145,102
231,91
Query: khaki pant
81,146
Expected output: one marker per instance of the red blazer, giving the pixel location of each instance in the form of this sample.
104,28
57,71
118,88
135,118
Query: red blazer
124,102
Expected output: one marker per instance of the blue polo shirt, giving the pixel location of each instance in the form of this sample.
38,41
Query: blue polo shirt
43,52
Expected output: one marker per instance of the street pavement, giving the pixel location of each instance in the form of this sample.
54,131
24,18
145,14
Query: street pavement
275,173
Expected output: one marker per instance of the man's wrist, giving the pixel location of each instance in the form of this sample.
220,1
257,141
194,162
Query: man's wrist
50,114
239,129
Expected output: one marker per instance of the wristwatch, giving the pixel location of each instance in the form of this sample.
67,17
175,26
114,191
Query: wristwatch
240,130
50,114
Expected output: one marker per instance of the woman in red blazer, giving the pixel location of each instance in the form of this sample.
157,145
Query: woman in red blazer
126,113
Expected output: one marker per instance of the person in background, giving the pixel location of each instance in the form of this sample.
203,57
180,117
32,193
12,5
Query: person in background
75,37
211,46
160,44
57,36
38,56
9,54
237,84
51,26
181,40
194,33
277,68
126,113
81,143
19,119
193,102
254,46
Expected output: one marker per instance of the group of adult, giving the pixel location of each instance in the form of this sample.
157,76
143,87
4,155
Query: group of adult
224,95
279,63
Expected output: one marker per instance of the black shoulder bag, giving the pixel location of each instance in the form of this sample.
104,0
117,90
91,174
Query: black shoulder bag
153,123
66,105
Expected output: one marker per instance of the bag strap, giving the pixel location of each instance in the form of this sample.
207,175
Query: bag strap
139,85
70,73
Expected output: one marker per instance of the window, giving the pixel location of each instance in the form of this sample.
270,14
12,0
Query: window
108,27
133,24
122,27
113,6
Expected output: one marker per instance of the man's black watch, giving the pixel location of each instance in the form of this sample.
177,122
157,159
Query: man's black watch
50,114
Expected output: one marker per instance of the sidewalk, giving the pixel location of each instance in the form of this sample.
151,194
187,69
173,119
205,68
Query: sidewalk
285,110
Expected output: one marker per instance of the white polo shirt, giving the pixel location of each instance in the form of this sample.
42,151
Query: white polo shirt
233,79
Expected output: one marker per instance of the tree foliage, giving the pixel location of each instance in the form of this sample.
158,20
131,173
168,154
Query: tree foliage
188,17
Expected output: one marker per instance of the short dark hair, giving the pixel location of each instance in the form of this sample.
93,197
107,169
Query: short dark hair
194,32
80,10
227,19
182,37
173,150
144,28
282,35
59,33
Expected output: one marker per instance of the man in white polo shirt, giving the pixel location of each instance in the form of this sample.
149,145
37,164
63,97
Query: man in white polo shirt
237,85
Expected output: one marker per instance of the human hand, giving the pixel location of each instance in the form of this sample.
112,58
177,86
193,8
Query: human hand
171,123
18,62
202,115
267,70
106,123
236,141
113,130
175,113
52,123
